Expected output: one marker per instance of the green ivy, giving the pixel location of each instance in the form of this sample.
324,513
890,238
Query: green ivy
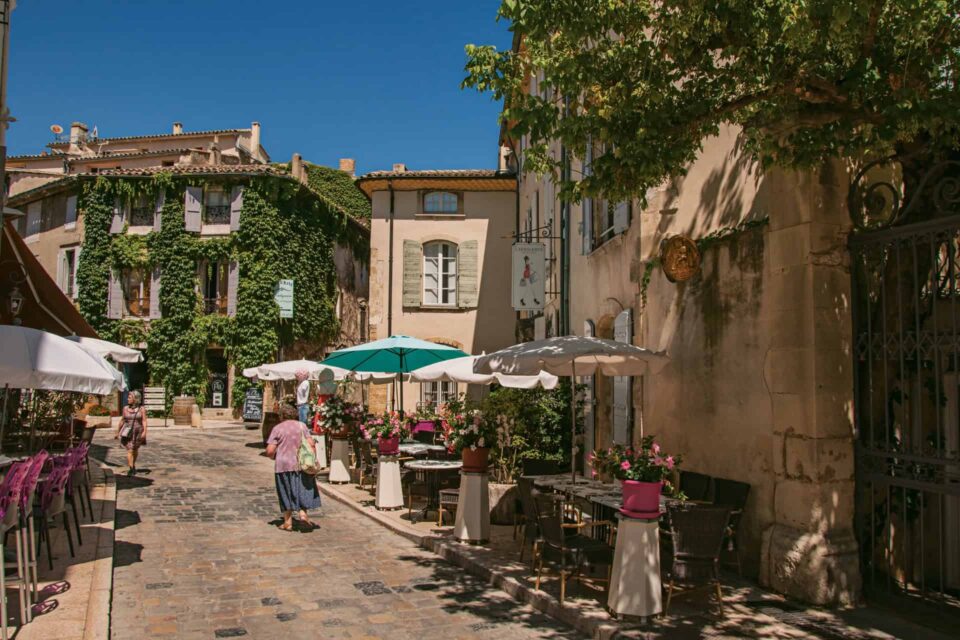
129,252
339,187
96,201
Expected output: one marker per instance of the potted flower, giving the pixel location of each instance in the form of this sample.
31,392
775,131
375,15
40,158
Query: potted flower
425,419
98,416
388,428
339,418
466,431
644,472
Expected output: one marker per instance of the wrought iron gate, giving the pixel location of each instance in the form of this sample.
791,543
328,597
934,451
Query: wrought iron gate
905,267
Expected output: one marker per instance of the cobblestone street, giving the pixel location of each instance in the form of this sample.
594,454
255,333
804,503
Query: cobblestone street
197,555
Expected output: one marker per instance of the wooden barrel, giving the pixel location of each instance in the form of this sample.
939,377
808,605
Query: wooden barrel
182,409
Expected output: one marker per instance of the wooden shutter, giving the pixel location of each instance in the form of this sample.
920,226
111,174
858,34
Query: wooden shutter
62,270
412,273
233,279
155,293
116,222
114,297
622,387
236,205
621,217
71,215
192,207
589,400
586,204
468,284
158,210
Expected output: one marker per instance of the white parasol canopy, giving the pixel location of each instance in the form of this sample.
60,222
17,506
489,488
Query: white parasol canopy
461,370
287,370
112,350
573,356
33,359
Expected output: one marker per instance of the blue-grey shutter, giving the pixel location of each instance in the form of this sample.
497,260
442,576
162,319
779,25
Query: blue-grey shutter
586,204
116,222
468,274
412,273
236,205
589,400
621,217
622,387
114,297
233,279
192,207
155,293
158,210
71,215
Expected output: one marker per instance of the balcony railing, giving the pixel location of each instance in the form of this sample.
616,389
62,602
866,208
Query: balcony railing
217,214
215,306
141,217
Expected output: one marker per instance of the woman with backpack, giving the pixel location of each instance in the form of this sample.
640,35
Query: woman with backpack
294,454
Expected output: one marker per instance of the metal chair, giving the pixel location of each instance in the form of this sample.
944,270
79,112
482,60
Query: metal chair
70,462
449,499
368,465
415,484
732,494
10,492
696,536
533,467
53,503
425,437
27,498
528,515
574,551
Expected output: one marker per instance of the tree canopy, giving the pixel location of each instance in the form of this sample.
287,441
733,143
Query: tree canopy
648,80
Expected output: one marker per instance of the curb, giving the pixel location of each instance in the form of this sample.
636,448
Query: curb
97,622
459,555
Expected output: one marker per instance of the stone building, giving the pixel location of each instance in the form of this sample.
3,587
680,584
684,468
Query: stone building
440,263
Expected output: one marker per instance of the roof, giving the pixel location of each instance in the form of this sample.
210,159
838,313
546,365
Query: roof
185,134
132,154
460,179
45,306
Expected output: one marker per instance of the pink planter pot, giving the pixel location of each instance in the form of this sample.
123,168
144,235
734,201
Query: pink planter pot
388,446
641,497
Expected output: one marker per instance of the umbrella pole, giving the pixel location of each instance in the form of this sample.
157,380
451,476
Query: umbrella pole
573,420
6,398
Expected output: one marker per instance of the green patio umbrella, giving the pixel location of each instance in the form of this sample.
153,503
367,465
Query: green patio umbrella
396,354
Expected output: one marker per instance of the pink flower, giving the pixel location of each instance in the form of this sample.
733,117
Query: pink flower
655,448
594,474
670,462
625,465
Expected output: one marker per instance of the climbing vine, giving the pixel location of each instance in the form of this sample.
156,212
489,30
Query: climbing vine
339,187
286,231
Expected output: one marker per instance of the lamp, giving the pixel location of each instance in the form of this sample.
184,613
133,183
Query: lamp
15,301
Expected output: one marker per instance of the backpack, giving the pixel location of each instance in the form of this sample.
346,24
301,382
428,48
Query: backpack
306,457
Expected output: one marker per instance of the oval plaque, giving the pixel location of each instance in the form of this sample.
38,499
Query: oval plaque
679,258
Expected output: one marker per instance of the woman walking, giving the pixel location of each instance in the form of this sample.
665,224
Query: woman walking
133,430
296,490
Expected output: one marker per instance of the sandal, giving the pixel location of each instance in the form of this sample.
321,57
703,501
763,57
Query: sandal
285,527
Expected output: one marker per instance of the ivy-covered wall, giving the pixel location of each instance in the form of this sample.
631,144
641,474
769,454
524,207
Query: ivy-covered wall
339,187
286,231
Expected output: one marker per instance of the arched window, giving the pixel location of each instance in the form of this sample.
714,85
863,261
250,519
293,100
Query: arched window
440,274
441,202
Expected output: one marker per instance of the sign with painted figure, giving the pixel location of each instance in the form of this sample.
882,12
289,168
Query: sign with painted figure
284,298
529,261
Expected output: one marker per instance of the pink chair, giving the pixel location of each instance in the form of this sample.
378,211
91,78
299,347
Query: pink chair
27,500
72,461
9,520
53,503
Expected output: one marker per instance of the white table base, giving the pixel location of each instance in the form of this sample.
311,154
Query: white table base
473,509
340,461
321,442
389,491
635,587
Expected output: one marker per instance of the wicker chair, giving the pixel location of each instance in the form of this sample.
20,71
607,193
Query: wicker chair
449,495
696,486
573,551
368,465
696,536
424,437
415,484
527,517
732,494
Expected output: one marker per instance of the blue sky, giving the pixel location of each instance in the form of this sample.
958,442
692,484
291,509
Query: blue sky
369,79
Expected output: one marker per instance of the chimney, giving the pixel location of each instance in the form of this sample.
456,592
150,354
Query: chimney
78,133
255,141
215,157
348,166
296,168
399,167
177,128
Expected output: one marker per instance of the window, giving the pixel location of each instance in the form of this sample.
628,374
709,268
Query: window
34,218
439,274
67,270
437,393
141,211
136,292
70,217
441,202
216,208
213,286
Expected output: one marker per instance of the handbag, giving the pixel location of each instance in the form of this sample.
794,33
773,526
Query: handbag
307,458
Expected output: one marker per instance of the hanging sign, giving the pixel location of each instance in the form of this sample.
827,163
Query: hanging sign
529,261
283,295
679,258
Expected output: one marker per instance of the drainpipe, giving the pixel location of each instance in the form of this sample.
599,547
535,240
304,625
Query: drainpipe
390,268
565,227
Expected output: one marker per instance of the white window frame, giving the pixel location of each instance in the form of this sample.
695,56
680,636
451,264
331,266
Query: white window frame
437,393
439,274
221,299
34,219
143,295
67,282
142,201
225,202
445,199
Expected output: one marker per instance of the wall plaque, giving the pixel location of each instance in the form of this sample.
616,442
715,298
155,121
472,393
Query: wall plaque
679,258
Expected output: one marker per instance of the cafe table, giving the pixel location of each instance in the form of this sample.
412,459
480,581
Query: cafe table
432,470
419,448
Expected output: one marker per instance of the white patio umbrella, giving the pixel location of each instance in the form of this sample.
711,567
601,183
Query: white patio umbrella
573,356
461,370
112,350
287,370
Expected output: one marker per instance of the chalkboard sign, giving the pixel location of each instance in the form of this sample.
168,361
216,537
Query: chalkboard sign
253,405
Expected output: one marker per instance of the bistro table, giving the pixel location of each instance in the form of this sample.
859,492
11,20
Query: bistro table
419,448
432,470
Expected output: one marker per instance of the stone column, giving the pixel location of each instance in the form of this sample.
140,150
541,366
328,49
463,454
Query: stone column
809,552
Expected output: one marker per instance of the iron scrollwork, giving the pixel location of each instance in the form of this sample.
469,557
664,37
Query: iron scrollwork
882,202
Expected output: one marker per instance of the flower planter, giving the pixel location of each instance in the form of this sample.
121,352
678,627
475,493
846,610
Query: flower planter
476,460
641,497
388,446
425,425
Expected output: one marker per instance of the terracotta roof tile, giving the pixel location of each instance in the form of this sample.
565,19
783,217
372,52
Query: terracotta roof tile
193,169
439,173
185,134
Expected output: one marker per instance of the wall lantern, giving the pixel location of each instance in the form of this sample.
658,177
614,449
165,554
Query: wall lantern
15,300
